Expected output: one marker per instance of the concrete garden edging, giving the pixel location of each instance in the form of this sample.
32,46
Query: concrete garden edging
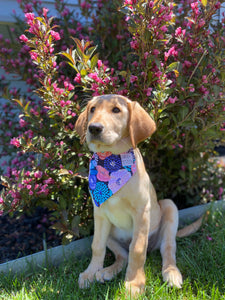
79,248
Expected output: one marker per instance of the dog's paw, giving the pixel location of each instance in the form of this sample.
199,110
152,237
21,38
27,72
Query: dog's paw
85,279
105,274
172,275
134,289
135,285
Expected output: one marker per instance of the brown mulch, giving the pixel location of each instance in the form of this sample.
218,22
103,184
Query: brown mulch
23,236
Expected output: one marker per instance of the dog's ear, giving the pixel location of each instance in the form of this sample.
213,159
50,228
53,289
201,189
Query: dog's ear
141,124
81,125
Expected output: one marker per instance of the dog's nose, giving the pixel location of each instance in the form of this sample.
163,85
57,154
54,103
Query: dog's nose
95,128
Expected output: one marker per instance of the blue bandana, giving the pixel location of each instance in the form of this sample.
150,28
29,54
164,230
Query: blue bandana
109,173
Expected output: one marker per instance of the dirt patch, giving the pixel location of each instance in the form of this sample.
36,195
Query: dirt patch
25,235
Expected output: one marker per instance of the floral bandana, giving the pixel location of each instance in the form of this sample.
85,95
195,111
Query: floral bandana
109,173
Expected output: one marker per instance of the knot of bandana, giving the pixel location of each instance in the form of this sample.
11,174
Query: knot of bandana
109,173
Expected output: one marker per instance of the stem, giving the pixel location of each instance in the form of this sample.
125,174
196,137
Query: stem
205,52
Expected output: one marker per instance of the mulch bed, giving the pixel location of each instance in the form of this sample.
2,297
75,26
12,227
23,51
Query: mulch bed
23,236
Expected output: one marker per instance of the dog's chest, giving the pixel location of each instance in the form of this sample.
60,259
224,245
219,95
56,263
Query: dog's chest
117,213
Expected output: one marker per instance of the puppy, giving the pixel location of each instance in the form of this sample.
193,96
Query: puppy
128,219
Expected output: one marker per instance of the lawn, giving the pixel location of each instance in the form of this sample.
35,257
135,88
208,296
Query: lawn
200,257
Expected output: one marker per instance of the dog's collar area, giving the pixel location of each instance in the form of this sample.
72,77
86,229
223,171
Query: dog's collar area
109,172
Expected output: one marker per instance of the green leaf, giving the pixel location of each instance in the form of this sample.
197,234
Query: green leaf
183,111
94,61
204,2
75,222
26,106
83,72
172,67
68,56
91,51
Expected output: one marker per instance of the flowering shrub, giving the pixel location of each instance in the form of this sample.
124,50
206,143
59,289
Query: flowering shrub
169,58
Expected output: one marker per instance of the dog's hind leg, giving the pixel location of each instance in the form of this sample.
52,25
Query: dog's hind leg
121,257
167,245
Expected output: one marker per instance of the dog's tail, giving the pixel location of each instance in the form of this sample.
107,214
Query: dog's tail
192,228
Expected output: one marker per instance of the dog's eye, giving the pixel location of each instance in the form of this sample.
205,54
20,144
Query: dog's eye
115,110
92,109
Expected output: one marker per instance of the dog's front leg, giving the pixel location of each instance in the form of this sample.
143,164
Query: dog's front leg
135,276
101,232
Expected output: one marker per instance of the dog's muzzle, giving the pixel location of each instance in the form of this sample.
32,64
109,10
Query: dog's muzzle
95,129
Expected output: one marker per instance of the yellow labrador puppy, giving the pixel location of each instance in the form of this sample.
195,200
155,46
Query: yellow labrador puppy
128,219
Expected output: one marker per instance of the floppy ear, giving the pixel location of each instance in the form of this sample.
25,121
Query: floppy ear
81,125
141,124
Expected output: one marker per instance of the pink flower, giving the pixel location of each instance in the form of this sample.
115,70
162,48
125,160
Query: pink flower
78,78
218,5
134,44
23,38
38,174
201,23
45,11
55,35
194,7
148,92
68,85
15,142
151,4
62,103
133,78
155,52
172,100
172,52
22,123
33,55
183,168
49,181
1,200
99,64
30,18
95,77
187,63
179,32
191,88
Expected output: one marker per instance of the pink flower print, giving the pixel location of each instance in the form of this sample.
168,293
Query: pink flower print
103,155
103,174
118,179
134,168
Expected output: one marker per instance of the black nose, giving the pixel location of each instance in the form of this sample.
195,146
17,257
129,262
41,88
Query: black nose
95,128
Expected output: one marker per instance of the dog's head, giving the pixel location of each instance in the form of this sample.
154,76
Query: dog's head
114,123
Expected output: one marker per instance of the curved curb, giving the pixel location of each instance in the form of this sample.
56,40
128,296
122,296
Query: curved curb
79,248
53,256
191,214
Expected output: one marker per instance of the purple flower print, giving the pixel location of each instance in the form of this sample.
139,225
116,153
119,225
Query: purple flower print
92,182
112,163
118,179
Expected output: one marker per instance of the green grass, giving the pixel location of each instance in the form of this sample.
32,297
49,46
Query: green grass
200,257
